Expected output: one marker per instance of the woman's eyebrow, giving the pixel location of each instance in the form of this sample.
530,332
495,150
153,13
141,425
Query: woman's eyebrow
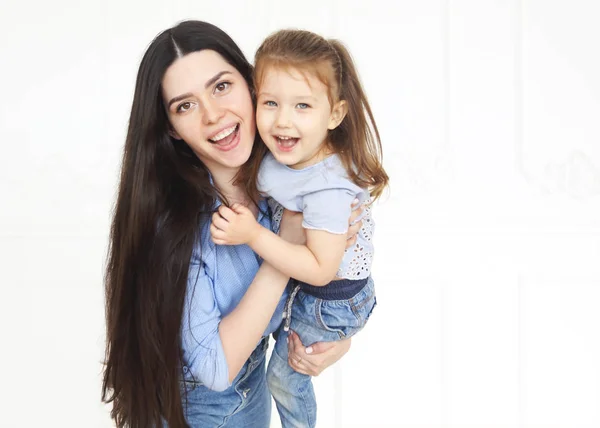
206,86
179,98
215,78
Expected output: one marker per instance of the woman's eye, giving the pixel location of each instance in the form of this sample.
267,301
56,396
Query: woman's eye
183,107
270,103
302,106
222,86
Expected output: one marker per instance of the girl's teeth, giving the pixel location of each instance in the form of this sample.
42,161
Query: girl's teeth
224,133
287,141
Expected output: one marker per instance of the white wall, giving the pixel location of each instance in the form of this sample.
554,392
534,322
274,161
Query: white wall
487,247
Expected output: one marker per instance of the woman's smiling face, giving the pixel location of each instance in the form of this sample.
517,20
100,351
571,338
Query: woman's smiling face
210,108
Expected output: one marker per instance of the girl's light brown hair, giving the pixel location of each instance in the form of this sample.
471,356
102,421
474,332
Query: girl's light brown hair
356,140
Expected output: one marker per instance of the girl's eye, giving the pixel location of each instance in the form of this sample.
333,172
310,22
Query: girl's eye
222,86
270,103
183,107
302,106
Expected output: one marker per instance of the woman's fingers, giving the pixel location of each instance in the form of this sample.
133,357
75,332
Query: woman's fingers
302,361
353,233
356,214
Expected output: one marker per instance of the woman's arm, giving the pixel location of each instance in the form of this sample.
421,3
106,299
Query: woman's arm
242,329
215,346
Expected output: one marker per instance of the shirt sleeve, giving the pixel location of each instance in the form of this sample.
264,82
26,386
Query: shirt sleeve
262,179
202,347
328,210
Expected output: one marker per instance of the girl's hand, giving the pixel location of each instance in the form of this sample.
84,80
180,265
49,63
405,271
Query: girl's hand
234,226
317,357
291,228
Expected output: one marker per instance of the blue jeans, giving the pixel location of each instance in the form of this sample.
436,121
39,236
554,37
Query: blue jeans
245,404
314,320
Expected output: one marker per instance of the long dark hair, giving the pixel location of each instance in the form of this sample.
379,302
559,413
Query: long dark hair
164,197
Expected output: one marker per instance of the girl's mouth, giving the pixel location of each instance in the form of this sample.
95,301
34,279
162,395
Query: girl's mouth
286,144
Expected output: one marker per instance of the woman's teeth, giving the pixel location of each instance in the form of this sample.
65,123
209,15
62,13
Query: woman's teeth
224,133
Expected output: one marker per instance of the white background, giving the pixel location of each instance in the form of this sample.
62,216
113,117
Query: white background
488,244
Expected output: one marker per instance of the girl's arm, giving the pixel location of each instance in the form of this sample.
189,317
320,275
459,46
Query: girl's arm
315,263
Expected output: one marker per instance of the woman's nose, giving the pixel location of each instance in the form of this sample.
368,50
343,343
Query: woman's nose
212,113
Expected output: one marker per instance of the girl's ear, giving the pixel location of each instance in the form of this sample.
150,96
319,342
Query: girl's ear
338,113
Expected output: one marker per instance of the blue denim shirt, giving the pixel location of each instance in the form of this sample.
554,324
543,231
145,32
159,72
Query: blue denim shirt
218,278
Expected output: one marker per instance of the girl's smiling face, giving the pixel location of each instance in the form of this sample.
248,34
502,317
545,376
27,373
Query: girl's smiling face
294,115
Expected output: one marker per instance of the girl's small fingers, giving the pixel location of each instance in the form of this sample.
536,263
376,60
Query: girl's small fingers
226,213
218,235
240,208
220,223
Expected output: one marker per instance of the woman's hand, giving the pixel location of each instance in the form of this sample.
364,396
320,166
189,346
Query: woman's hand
354,228
317,357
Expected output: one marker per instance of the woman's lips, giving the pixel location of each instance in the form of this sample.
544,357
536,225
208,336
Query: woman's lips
229,142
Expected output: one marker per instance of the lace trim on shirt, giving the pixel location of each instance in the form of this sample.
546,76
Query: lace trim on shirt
360,265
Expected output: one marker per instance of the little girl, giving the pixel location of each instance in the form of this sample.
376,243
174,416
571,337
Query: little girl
314,117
